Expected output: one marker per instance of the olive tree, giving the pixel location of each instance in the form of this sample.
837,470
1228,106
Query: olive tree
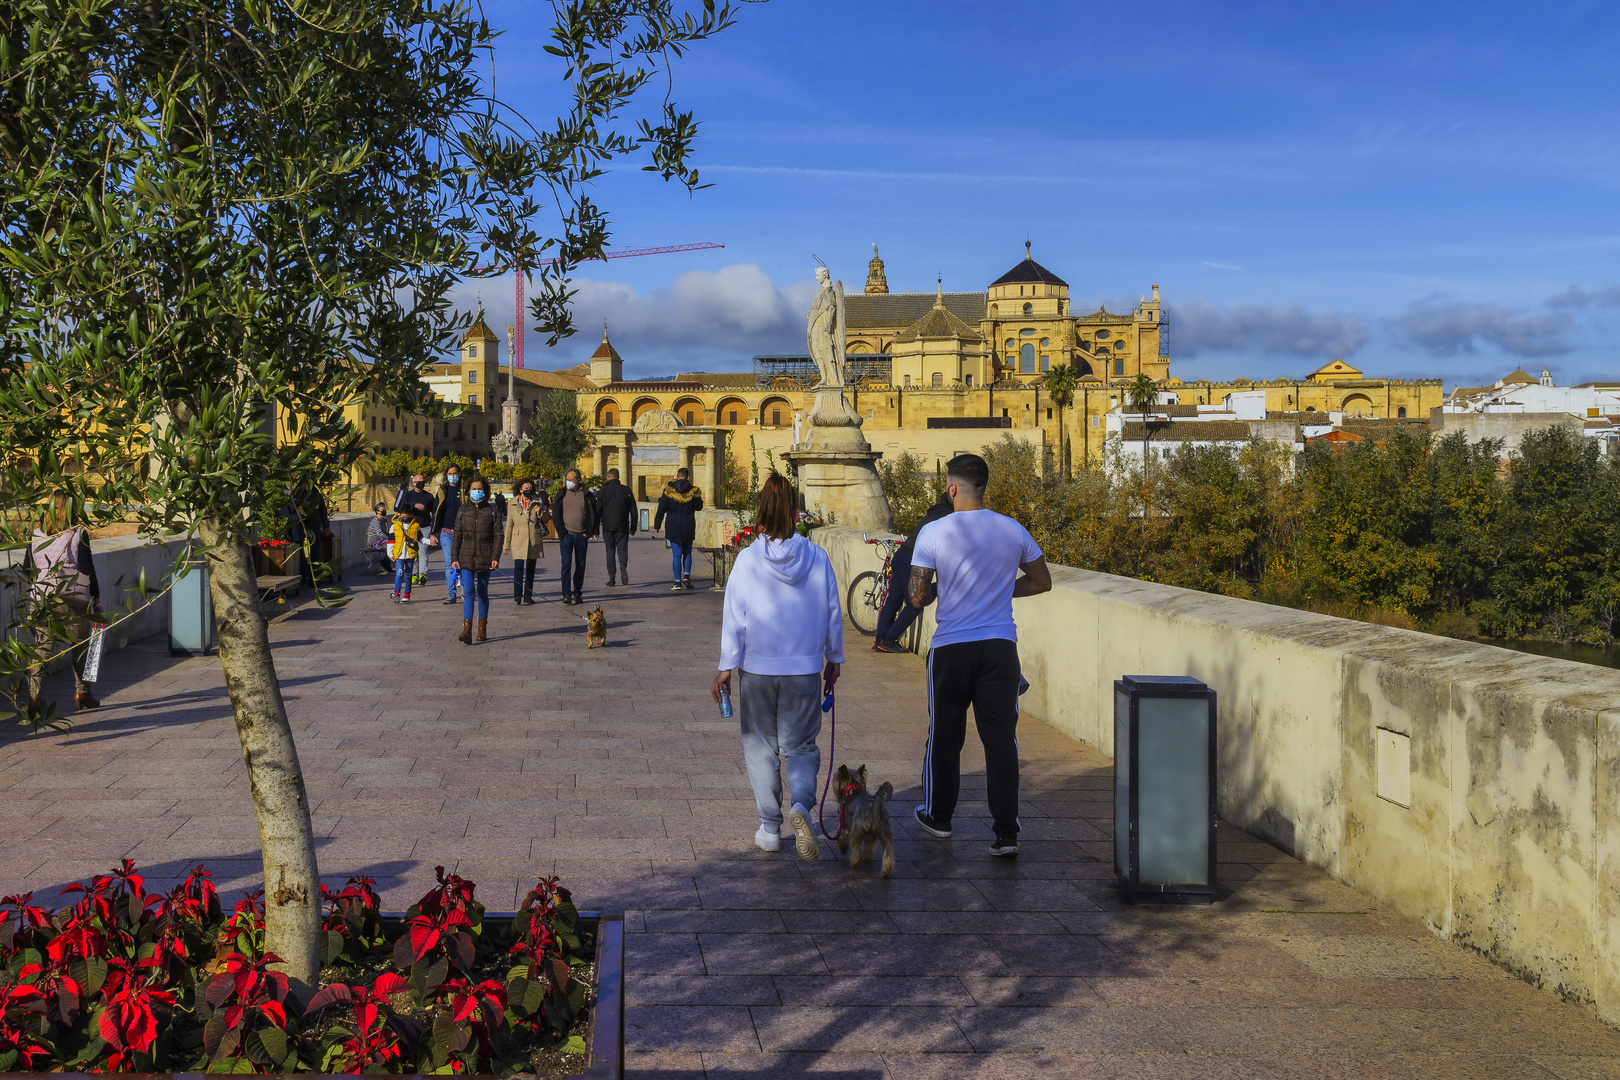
225,221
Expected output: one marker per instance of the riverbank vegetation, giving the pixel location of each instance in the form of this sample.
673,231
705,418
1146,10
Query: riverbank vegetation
1433,534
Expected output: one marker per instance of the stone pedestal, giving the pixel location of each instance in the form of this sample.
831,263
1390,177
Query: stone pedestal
837,467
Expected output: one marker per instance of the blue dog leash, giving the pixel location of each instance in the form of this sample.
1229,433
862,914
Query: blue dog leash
832,746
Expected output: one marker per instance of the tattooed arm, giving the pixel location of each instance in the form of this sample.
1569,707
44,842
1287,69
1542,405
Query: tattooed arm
921,590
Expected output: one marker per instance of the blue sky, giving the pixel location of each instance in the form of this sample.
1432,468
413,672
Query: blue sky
1426,190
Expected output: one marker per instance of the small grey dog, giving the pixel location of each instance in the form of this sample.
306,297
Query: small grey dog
863,818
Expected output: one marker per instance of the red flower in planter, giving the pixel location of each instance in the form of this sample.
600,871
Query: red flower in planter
374,1040
129,1019
249,1016
20,1009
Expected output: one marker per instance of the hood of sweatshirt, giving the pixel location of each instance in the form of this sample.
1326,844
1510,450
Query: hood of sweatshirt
788,561
682,491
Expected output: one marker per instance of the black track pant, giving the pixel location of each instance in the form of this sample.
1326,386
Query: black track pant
985,675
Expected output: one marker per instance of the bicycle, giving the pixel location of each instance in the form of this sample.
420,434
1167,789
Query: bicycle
870,589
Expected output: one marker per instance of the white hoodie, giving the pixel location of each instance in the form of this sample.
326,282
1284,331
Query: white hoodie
782,612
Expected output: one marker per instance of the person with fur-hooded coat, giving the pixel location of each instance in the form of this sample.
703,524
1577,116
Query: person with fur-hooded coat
678,505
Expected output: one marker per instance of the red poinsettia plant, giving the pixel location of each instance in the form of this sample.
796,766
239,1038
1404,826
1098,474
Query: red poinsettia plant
124,980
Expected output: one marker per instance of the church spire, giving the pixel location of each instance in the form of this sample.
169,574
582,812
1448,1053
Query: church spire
877,284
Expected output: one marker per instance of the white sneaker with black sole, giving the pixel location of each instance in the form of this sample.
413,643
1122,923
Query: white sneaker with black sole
804,840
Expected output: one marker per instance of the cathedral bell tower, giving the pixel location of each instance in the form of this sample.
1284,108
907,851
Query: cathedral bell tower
877,284
480,365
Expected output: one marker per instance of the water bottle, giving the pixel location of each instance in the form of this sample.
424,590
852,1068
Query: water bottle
725,703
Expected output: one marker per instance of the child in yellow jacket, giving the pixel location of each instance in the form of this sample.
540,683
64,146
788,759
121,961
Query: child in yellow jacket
403,551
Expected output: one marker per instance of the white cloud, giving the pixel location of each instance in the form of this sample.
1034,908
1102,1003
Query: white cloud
717,319
1197,327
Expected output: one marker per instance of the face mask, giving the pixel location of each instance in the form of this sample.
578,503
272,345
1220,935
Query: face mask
420,484
527,492
454,480
476,494
571,485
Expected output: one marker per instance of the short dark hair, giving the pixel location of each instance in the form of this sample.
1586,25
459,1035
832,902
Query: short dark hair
450,466
968,469
613,474
683,474
571,472
778,508
476,479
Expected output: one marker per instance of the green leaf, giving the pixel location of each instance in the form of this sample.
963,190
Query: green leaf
275,1043
574,1045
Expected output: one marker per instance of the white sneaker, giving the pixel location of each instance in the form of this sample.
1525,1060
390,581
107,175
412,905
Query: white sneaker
804,840
767,839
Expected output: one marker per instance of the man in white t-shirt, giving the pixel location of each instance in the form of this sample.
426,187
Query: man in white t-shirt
976,555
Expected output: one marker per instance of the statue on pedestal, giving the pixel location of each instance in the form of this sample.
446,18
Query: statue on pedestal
836,466
510,444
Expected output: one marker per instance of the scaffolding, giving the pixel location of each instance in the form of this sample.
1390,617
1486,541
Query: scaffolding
858,368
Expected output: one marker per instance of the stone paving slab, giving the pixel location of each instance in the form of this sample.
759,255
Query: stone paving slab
531,755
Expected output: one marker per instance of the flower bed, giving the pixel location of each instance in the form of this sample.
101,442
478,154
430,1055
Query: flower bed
131,981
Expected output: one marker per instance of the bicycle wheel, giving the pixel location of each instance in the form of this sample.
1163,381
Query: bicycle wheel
865,600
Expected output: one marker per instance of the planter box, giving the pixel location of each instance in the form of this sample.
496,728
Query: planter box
277,561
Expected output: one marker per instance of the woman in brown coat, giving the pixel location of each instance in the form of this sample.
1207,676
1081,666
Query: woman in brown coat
526,517
475,550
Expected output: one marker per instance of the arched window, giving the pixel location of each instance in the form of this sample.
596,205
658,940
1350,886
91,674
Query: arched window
1029,309
1401,412
1011,344
939,379
1026,357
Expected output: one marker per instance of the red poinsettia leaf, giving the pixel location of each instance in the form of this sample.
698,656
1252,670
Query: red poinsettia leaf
219,989
327,995
277,985
366,1017
462,1007
390,983
233,1016
275,1012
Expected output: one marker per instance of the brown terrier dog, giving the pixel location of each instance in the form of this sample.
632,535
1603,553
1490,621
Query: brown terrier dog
595,628
863,818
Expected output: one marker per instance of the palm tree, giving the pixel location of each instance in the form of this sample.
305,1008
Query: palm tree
1060,384
1140,396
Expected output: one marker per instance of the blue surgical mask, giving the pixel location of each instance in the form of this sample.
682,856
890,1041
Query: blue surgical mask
453,479
476,494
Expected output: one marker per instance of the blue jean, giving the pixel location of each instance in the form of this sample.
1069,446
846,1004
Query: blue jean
780,715
571,548
403,569
446,540
475,586
523,579
680,557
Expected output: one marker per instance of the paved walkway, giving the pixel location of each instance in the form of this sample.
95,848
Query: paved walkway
530,755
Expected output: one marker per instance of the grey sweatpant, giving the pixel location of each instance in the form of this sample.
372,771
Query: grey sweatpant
780,715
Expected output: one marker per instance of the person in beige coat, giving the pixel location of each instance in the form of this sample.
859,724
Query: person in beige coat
526,517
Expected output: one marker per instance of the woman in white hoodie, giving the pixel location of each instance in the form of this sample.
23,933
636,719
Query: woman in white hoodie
783,635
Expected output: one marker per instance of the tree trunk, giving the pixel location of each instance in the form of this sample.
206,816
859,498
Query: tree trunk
292,901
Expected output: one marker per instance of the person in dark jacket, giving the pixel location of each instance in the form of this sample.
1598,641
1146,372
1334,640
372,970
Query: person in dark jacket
475,550
576,515
444,527
680,503
889,626
64,577
619,515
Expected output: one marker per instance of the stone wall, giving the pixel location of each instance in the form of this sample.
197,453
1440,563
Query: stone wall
1474,789
120,562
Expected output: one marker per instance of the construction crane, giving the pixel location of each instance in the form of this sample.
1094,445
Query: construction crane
628,253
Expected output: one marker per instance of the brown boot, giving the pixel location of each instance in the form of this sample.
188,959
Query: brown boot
481,624
466,632
84,699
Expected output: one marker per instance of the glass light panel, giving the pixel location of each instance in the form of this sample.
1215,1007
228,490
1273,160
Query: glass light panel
1122,782
1173,800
